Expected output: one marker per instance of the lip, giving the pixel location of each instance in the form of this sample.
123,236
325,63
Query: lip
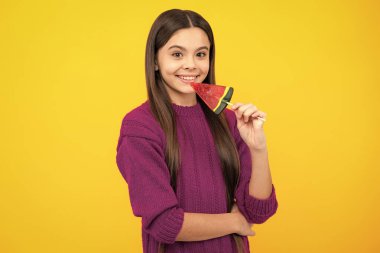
187,81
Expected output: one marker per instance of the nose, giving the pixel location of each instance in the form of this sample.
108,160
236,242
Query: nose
189,63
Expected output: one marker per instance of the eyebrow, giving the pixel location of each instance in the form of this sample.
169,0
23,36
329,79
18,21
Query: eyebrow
184,49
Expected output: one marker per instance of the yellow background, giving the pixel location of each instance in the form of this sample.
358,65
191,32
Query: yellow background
70,70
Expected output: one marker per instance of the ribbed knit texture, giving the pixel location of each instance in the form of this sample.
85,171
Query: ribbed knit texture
200,183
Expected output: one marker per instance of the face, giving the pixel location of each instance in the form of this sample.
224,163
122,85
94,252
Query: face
184,59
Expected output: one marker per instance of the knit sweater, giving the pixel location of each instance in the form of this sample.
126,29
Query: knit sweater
200,182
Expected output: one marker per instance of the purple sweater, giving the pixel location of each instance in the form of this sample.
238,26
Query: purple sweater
200,184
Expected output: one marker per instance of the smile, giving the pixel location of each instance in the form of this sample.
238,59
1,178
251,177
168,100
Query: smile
187,79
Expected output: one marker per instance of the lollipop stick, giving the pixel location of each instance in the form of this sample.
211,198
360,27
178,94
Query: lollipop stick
231,104
228,102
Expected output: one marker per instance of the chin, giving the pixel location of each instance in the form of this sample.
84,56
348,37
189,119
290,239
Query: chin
188,91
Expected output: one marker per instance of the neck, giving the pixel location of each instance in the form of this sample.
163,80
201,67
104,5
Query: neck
188,100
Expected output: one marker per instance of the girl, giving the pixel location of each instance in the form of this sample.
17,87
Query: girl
198,180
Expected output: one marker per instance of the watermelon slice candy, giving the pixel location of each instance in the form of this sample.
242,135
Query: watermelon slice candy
215,96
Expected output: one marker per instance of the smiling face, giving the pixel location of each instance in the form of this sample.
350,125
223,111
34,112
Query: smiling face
184,59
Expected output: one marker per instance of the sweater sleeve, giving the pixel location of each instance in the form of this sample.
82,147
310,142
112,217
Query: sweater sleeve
140,159
254,210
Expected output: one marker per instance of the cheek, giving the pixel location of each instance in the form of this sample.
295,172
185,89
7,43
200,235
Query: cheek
170,68
204,66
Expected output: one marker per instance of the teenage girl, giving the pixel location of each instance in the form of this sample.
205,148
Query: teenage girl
198,180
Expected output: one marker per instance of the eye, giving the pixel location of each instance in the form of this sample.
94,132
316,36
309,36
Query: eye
201,54
176,54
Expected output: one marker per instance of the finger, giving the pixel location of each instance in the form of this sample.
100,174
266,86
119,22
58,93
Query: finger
248,112
236,106
242,108
258,114
252,233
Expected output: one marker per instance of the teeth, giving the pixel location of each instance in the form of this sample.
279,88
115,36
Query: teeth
187,77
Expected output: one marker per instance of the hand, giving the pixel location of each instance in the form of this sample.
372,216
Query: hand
243,228
250,125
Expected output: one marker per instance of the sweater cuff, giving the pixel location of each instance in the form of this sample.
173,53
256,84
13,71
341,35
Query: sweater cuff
171,226
262,207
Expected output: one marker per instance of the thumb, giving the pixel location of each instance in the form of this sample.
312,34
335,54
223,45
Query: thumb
252,233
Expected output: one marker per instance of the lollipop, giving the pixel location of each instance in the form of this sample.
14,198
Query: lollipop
215,96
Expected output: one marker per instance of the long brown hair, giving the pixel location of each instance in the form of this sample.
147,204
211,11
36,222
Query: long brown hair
162,29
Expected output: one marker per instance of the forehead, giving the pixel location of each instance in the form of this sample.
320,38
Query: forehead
189,38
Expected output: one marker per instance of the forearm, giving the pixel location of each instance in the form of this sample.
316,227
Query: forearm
203,226
260,185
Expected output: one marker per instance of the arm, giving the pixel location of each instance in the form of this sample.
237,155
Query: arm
202,226
255,194
140,159
260,185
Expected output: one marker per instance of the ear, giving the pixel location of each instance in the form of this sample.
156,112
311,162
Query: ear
155,65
